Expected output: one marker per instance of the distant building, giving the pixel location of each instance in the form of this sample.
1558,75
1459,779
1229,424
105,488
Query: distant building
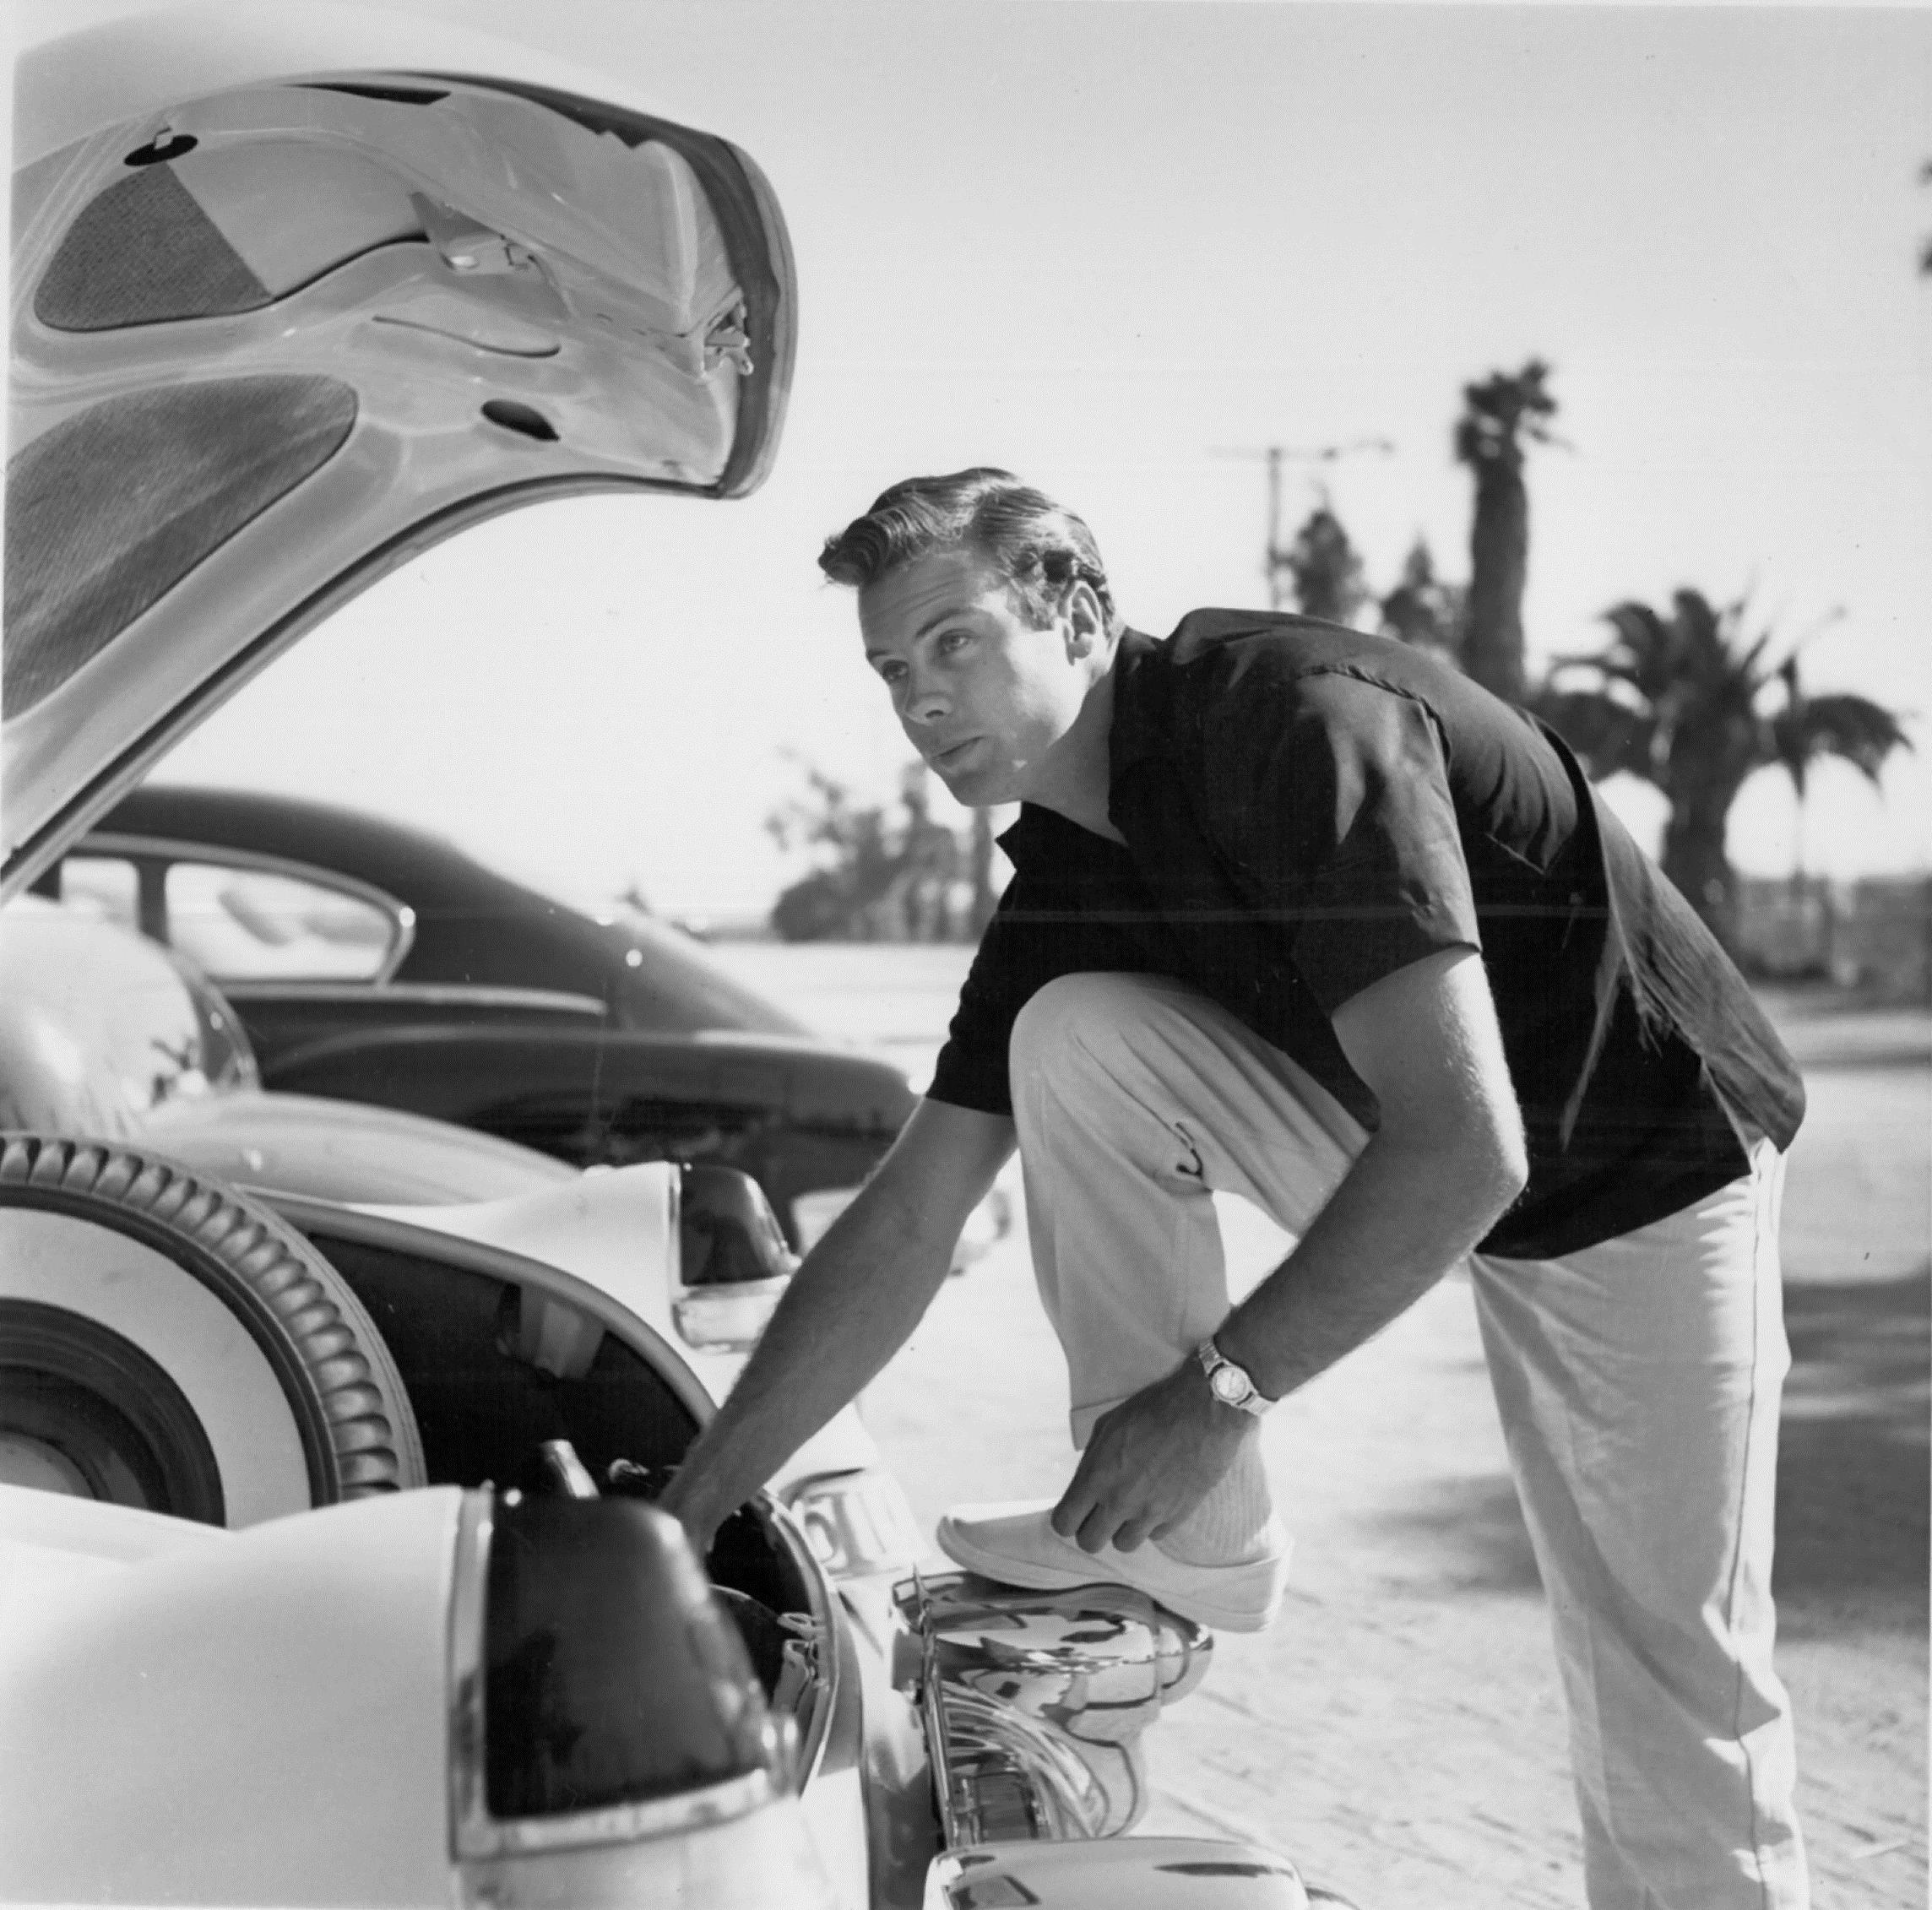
1874,935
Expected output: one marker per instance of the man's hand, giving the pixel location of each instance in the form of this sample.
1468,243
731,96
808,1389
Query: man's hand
850,1307
1150,1462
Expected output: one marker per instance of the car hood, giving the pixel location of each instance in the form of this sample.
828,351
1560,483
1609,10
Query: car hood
298,293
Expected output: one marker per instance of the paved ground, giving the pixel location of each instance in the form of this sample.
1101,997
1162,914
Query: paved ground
1400,1731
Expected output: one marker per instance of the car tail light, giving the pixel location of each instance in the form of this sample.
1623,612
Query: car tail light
609,1738
610,1678
733,1262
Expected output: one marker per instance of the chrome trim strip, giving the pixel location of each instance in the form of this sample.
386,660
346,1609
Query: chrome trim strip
173,848
815,1731
674,1232
621,1823
475,1524
938,1730
426,994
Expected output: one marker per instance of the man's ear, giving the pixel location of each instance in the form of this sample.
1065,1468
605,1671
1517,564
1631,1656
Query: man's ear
1086,621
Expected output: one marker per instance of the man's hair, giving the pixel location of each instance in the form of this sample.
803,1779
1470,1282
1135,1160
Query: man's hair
1039,547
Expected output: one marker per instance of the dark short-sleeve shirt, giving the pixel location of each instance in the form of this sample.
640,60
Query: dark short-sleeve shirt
1308,810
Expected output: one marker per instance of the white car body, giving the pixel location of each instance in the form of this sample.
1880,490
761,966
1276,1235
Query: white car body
330,1645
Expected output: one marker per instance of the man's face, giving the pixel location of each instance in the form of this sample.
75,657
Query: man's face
982,694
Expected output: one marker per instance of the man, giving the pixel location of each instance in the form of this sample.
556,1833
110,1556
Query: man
1300,914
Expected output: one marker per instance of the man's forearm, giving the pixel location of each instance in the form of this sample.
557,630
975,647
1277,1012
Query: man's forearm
850,1306
1399,1220
1448,1156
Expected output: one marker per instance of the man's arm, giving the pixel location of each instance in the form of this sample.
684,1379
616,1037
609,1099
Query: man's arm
850,1306
1447,1158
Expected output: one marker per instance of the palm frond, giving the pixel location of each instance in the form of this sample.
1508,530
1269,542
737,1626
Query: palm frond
1610,668
1704,652
1853,728
1676,700
1606,735
1647,650
1746,665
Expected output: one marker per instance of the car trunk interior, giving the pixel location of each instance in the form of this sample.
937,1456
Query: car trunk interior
484,1411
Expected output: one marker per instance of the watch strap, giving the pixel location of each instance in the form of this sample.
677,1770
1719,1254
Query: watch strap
1247,1397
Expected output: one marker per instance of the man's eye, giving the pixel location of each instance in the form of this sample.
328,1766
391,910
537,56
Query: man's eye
954,640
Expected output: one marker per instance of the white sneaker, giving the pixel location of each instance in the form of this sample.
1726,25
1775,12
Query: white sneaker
1015,1544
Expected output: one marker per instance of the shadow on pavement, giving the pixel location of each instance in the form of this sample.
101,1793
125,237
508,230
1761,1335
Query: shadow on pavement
1470,1533
1854,1473
1854,1470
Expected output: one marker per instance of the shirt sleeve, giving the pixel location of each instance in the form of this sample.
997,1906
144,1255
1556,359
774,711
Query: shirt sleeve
1008,966
1331,800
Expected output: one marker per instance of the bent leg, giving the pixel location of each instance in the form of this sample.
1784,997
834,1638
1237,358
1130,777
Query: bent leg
1639,1383
1136,1099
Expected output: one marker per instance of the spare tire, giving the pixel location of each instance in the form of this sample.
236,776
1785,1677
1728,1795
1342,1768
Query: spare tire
168,1343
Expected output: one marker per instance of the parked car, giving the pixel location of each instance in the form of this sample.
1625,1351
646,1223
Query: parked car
103,1033
328,1570
370,962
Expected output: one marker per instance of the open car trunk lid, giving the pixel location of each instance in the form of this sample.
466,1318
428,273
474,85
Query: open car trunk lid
303,312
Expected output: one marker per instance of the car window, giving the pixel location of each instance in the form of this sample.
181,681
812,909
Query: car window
106,886
256,925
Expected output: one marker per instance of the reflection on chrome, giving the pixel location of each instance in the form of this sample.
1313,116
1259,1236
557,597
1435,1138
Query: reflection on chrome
1035,1701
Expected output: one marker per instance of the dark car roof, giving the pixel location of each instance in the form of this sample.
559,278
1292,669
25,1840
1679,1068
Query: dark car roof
472,925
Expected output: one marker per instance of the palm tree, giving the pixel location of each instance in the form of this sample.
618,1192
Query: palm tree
1502,414
1678,700
1423,610
1325,567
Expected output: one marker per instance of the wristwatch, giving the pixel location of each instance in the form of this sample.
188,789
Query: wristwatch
1232,1385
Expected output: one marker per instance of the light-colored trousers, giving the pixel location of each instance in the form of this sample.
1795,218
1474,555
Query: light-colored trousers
1638,1383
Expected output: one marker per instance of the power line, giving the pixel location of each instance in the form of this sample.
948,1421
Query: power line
1274,561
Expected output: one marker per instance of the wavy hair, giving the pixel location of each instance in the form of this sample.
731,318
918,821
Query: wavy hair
1039,547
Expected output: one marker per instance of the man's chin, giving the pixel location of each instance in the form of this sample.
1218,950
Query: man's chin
972,790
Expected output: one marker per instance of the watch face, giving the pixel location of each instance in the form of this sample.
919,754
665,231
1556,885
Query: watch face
1229,1384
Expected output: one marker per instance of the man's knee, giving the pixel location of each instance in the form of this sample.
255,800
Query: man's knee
1077,1020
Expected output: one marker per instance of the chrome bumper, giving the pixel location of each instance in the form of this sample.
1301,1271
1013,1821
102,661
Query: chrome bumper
1034,1702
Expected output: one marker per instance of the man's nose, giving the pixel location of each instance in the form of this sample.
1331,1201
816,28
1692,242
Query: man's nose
922,700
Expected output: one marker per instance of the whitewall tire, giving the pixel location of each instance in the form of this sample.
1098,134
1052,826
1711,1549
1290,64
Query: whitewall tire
167,1342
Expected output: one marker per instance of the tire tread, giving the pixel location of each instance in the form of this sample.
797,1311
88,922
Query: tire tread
373,1446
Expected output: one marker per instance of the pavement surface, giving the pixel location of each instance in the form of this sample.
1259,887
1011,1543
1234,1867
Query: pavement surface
1399,1731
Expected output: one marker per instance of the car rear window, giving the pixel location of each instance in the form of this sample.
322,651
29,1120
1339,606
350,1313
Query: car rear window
113,507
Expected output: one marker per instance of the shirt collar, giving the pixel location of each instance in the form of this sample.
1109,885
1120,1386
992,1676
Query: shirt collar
1138,730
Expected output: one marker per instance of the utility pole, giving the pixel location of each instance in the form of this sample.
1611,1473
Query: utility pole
1274,560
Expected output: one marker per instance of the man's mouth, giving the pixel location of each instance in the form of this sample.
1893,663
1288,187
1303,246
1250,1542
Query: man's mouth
951,755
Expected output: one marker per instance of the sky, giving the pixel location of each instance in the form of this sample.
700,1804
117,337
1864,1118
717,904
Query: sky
1121,247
